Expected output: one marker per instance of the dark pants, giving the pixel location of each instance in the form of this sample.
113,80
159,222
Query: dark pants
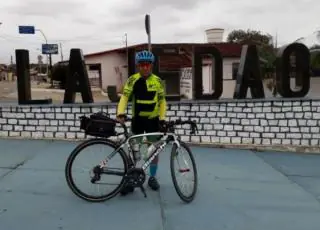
141,125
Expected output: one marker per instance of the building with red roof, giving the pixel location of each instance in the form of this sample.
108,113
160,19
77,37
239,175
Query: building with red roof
114,66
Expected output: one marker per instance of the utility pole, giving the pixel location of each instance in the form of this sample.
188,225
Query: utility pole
148,30
127,55
276,40
11,66
50,60
61,51
126,41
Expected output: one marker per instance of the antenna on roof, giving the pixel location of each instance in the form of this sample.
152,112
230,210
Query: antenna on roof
148,30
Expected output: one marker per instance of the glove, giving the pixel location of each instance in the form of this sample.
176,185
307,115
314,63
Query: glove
121,118
162,126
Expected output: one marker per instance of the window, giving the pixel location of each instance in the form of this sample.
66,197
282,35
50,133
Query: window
235,67
94,66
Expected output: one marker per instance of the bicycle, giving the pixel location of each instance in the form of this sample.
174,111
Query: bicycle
102,127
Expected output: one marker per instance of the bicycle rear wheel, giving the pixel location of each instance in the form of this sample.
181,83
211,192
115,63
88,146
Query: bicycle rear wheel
95,166
174,154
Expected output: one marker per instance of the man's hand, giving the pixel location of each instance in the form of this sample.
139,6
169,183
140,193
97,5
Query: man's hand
162,126
121,118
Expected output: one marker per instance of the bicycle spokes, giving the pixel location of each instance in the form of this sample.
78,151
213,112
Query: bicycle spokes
182,169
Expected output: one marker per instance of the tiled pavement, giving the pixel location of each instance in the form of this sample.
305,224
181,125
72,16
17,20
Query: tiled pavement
238,189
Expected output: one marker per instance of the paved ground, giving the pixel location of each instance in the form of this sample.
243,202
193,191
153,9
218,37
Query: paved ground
238,189
9,94
7,88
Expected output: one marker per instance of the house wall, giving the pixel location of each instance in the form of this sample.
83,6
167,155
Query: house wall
113,70
207,73
207,79
227,67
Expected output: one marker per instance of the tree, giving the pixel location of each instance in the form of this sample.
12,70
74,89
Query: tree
252,36
59,74
264,45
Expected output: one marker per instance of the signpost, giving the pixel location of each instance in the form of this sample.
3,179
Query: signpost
50,49
46,49
26,30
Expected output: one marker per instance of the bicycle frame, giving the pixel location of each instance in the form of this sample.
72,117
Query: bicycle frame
164,140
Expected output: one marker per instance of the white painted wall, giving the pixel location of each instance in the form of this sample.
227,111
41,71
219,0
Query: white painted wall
186,82
227,67
111,75
207,73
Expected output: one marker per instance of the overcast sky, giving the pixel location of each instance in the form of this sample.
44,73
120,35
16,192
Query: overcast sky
101,24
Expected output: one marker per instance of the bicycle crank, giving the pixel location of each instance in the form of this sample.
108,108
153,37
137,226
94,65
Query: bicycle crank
136,177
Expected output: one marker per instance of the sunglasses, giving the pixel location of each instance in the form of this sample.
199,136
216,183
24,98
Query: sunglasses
145,64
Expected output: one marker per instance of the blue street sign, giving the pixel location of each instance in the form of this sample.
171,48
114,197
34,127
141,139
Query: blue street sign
50,49
26,30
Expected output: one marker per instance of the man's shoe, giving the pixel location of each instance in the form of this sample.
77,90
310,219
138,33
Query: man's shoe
153,183
126,189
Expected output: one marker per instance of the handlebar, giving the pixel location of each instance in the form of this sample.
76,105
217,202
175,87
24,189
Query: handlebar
123,125
171,124
168,125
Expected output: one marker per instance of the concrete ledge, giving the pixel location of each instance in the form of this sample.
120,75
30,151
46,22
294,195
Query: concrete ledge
181,102
278,148
253,147
253,125
58,90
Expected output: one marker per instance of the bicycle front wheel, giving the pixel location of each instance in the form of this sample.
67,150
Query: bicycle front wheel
183,168
95,172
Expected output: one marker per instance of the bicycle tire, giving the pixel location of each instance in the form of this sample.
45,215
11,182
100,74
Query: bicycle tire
186,199
77,151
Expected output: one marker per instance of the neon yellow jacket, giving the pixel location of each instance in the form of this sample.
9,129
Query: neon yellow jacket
148,97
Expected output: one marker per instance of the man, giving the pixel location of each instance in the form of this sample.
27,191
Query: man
148,106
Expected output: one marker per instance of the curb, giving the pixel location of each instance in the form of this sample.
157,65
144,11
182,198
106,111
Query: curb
262,148
58,90
253,147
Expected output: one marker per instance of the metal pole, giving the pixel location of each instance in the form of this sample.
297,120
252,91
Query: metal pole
148,30
50,58
45,38
61,51
126,36
127,58
149,41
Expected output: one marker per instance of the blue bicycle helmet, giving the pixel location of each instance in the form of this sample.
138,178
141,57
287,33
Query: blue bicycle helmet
144,56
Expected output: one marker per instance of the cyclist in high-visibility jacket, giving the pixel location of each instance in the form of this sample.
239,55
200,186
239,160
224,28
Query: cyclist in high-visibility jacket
148,106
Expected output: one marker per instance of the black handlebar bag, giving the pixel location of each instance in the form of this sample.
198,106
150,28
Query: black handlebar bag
98,125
